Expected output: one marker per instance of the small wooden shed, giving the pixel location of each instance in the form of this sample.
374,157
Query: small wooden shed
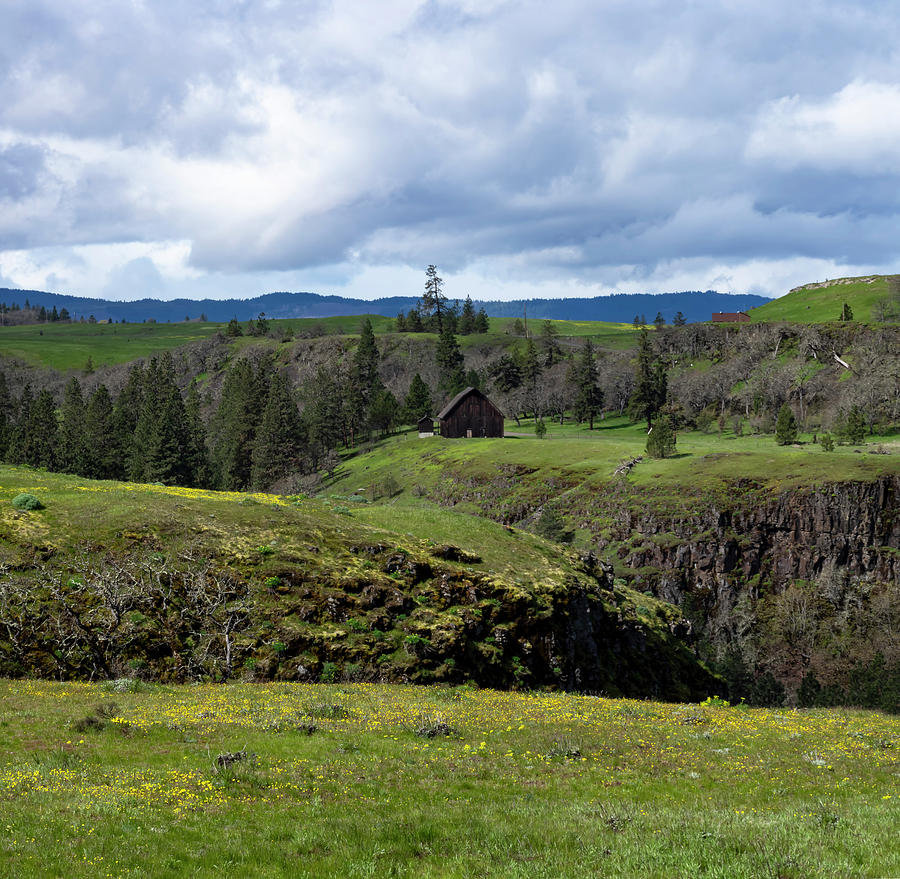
426,426
730,317
469,414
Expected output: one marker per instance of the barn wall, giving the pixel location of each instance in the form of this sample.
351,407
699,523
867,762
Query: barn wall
476,414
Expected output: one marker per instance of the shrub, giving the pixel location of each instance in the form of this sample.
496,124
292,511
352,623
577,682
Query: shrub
826,441
27,502
661,439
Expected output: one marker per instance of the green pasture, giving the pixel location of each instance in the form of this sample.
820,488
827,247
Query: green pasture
67,346
125,779
824,304
574,454
64,346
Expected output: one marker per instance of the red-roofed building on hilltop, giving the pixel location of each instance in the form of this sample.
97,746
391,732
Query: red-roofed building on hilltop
730,317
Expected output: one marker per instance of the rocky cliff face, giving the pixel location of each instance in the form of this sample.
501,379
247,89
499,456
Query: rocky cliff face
795,535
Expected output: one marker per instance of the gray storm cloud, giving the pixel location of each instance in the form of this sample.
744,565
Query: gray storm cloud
531,142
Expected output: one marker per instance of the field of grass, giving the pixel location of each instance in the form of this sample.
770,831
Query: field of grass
68,346
824,304
64,346
615,336
126,780
573,452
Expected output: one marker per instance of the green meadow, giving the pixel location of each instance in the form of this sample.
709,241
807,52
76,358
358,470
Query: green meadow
66,347
124,779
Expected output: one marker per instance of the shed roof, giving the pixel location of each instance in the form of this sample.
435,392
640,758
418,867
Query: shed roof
458,399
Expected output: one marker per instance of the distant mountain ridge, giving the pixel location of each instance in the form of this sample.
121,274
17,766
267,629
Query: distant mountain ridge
695,305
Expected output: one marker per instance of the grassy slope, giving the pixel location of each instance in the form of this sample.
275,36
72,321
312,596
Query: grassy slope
328,584
825,304
573,452
446,487
539,785
68,346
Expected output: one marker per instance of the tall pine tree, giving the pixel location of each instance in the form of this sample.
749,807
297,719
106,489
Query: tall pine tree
279,445
588,398
418,402
73,446
234,425
467,318
7,417
650,387
450,364
102,440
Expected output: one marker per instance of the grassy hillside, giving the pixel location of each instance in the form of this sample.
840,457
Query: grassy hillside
117,578
571,457
127,780
823,304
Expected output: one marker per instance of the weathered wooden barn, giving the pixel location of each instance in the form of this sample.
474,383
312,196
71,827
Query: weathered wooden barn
470,413
426,426
730,317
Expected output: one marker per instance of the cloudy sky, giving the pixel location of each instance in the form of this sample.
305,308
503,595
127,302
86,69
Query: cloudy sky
234,147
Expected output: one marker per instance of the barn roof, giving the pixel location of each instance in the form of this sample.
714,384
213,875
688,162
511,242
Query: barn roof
457,400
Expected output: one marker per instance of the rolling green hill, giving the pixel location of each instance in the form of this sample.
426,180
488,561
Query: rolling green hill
821,303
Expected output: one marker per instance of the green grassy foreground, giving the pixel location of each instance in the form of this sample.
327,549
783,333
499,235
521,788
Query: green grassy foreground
121,779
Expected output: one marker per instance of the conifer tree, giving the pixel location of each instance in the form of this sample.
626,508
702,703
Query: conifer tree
234,328
279,444
414,321
418,402
160,446
856,425
400,323
125,416
650,388
482,323
467,318
785,426
433,300
325,414
384,411
680,320
588,396
661,439
365,361
18,437
7,417
104,460
549,339
233,428
73,445
450,364
37,431
196,452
